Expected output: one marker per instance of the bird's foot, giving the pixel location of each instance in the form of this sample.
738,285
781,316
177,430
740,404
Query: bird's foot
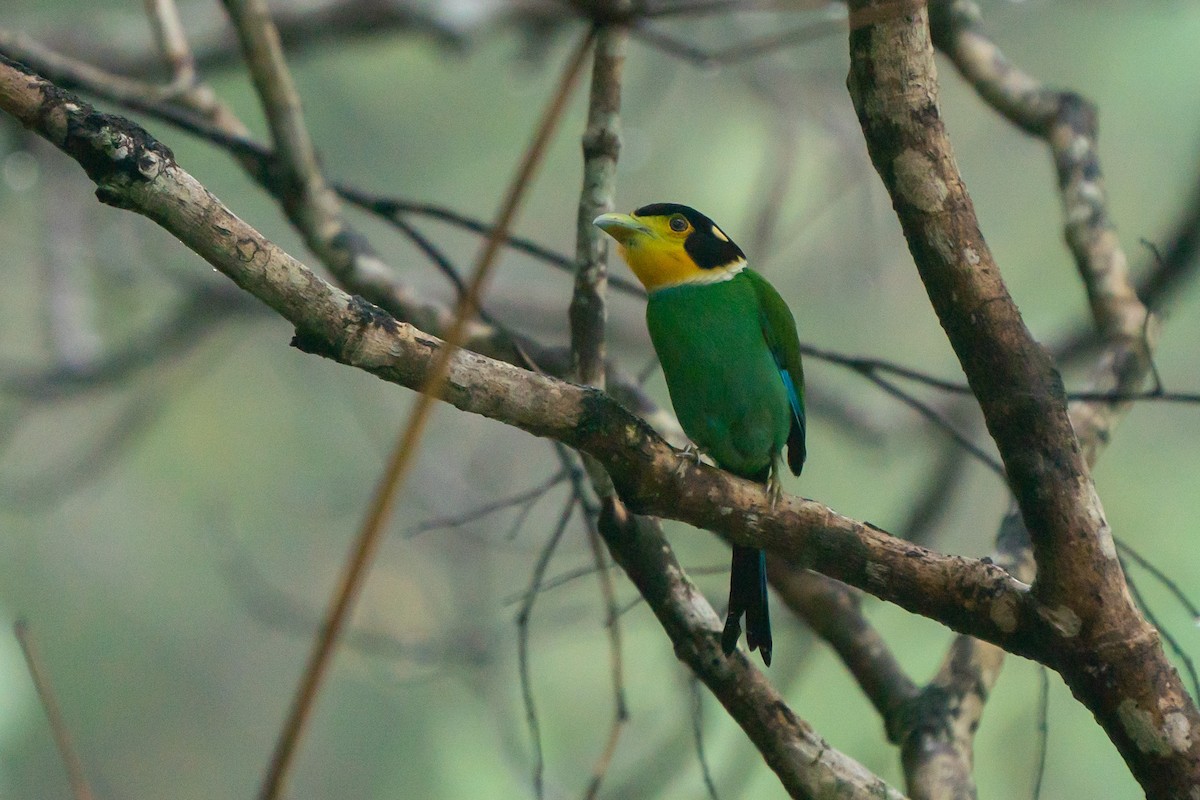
774,491
690,454
774,485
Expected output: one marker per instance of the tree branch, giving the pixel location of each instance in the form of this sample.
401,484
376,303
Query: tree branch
806,765
136,172
1106,651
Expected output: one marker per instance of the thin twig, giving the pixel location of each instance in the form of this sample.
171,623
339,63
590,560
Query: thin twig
869,366
612,625
1043,731
743,51
394,211
587,313
523,617
1173,643
403,455
487,509
168,33
939,421
197,102
58,724
697,717
1168,583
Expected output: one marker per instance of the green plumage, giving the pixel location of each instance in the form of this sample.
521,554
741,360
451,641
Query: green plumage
723,348
731,358
728,347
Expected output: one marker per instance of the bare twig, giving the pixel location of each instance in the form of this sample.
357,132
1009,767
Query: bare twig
168,32
1188,664
196,101
1170,585
487,509
394,210
743,51
1043,731
939,421
523,617
80,787
612,625
697,717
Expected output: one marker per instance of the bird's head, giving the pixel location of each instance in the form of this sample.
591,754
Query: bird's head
667,244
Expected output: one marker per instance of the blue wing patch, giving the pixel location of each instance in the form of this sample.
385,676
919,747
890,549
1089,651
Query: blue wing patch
797,450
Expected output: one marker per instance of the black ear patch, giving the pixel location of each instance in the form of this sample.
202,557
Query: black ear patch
707,244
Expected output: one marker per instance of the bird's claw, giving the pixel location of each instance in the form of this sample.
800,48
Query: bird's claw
774,485
690,454
774,490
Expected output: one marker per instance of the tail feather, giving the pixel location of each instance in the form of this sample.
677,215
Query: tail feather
748,595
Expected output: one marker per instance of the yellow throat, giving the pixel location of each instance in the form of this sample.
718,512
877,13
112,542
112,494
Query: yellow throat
666,247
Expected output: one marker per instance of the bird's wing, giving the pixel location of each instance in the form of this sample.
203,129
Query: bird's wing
779,329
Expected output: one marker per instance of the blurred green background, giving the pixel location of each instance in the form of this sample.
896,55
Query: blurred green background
172,538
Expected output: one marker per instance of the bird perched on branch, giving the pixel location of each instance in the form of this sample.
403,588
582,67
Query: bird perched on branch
729,351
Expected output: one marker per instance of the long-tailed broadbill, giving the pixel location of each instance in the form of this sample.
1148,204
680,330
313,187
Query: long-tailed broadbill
731,357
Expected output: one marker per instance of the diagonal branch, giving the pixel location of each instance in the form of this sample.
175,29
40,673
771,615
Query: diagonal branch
372,280
136,172
310,203
1105,650
806,765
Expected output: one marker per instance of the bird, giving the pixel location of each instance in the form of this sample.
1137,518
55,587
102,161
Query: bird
730,354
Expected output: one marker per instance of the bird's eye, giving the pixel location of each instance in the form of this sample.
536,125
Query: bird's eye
678,224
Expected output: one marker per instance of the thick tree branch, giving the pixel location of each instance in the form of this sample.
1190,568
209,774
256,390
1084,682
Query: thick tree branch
939,724
1107,653
373,280
893,84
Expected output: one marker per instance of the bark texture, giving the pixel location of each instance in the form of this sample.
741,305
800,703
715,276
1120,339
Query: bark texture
1096,638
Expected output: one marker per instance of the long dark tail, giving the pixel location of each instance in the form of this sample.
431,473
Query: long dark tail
748,595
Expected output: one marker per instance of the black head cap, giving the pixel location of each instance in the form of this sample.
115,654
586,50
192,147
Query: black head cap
707,244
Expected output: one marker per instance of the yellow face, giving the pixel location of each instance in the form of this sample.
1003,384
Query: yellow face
654,248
